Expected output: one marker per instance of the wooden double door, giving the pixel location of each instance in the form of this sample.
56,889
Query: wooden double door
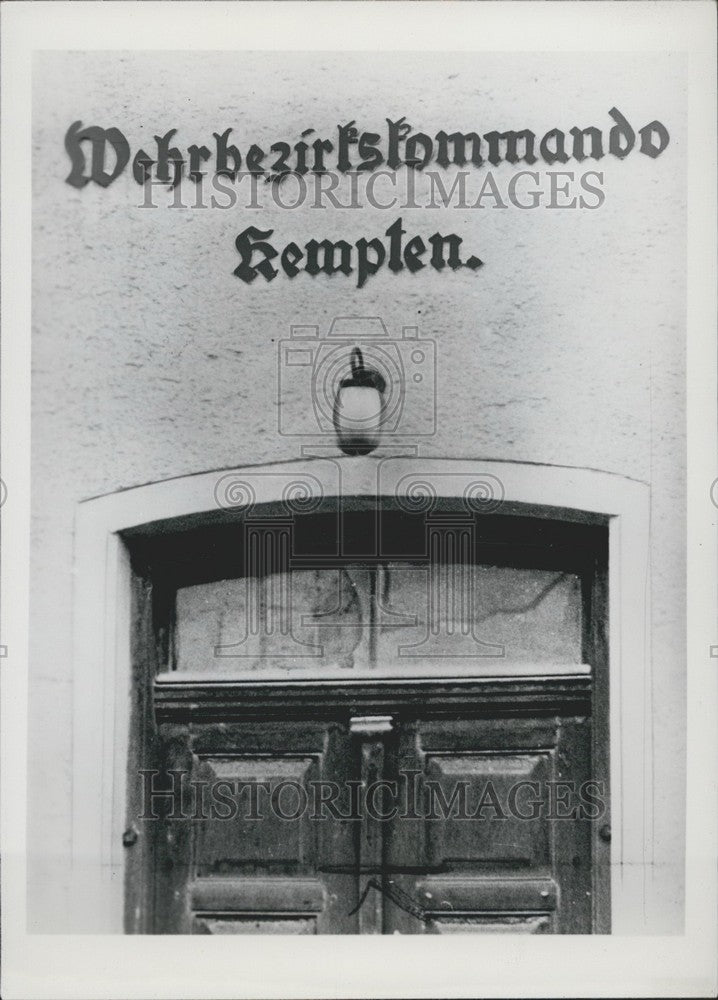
375,723
367,808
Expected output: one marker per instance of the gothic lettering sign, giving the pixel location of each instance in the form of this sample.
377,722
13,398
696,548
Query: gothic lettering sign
101,155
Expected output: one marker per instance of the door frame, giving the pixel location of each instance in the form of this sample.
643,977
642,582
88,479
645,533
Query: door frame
102,637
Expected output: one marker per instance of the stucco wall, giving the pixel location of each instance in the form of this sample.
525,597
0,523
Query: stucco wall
151,360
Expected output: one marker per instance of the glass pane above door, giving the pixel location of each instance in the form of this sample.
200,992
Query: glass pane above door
376,616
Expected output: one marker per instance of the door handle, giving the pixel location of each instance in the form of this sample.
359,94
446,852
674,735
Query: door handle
130,836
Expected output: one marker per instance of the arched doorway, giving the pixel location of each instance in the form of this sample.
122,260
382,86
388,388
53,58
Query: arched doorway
355,688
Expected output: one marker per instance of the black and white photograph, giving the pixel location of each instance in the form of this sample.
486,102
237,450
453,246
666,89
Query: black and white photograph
355,351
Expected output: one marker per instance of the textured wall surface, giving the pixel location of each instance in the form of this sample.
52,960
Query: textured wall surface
151,360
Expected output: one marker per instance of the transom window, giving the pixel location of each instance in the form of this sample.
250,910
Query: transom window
375,590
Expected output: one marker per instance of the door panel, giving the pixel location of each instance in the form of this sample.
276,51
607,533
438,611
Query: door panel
250,925
493,838
490,856
498,923
247,853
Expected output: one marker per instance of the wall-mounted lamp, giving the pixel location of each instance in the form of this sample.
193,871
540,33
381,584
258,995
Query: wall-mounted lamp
359,408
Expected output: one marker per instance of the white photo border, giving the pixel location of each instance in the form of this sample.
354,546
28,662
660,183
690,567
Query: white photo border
70,966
